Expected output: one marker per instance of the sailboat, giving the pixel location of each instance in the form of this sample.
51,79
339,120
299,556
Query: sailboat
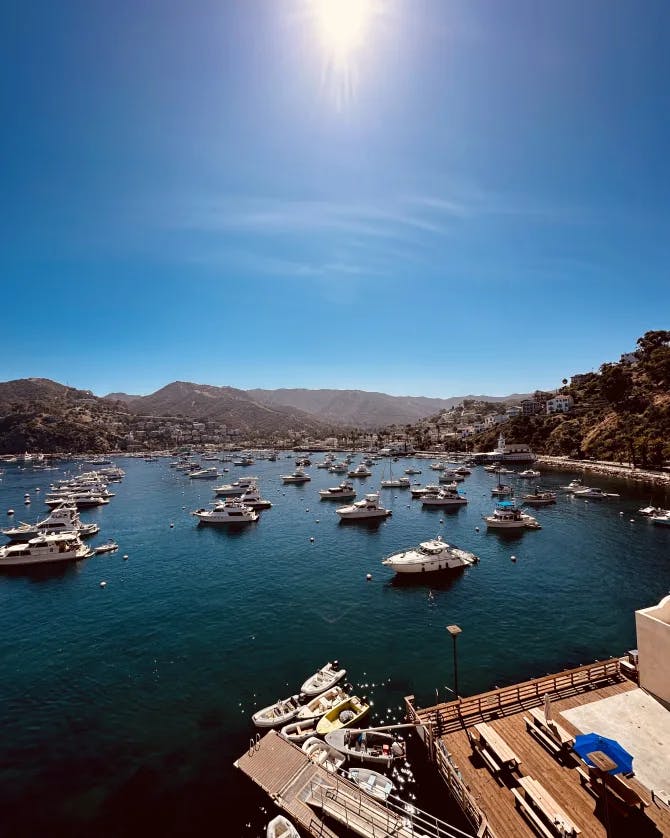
395,482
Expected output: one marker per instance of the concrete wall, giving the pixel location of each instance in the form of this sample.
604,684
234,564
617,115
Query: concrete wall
653,644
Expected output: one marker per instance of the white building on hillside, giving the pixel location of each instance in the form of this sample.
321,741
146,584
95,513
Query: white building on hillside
560,404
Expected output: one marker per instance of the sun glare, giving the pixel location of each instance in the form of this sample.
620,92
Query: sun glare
343,25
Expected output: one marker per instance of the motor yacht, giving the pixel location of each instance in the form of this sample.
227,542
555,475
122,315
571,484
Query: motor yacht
529,472
298,476
339,468
82,500
502,490
428,489
464,471
244,461
573,486
538,498
438,466
227,512
661,520
411,470
445,497
651,510
364,510
430,556
63,519
344,491
396,483
237,488
204,474
594,493
506,516
253,499
45,549
361,470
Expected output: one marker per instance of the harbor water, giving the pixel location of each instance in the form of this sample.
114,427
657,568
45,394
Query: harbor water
123,707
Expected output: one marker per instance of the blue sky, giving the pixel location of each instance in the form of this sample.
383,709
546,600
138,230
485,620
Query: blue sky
476,201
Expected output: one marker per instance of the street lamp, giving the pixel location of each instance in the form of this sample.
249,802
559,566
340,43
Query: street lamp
454,631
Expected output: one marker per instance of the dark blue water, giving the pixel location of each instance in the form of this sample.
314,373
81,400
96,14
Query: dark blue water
124,707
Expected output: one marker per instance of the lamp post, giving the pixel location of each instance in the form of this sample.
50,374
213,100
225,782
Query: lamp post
454,631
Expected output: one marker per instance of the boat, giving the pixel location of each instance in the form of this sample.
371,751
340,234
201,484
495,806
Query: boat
411,471
339,468
438,466
529,472
227,512
345,491
661,520
45,549
63,518
502,490
244,461
463,471
82,500
343,714
445,497
428,489
371,782
108,547
277,714
594,493
321,704
396,483
364,510
300,730
538,498
236,488
323,754
298,476
429,557
323,679
281,827
253,499
361,470
573,486
506,516
651,510
367,746
204,474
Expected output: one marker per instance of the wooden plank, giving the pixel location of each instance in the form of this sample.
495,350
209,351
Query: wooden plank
496,744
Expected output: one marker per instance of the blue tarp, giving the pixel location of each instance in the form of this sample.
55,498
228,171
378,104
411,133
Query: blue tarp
589,742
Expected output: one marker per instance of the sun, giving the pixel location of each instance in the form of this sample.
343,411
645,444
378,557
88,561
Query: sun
343,25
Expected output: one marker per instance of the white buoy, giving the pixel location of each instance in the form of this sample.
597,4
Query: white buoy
311,538
103,584
369,577
513,558
632,520
27,501
441,521
317,521
10,511
125,557
171,526
476,529
620,513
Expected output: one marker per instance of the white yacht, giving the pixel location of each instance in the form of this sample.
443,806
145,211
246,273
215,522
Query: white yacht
396,483
227,512
662,519
339,468
539,498
204,474
237,488
594,494
45,549
530,472
463,471
298,476
651,510
244,461
438,466
450,477
361,470
82,500
430,556
443,498
502,490
252,498
573,486
364,510
428,489
506,516
63,519
344,491
412,470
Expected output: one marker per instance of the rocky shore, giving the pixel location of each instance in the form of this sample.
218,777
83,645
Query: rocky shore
607,469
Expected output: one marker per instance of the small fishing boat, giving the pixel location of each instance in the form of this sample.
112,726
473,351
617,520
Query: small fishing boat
661,520
281,827
538,498
321,704
367,746
506,516
323,754
323,679
594,493
529,472
344,491
298,476
343,714
411,470
109,547
279,713
299,731
371,782
573,486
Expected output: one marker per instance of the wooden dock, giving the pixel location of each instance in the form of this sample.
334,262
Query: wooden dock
305,791
489,800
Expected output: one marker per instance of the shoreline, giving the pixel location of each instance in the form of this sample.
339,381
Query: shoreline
606,469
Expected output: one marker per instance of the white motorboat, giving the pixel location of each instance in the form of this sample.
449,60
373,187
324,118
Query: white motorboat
463,471
204,474
361,470
396,483
339,468
45,549
661,520
82,500
366,745
428,489
323,679
237,488
438,466
63,518
506,516
277,714
326,462
529,472
430,556
594,493
253,499
323,754
573,486
108,547
445,497
538,498
299,730
411,471
298,476
281,827
345,491
450,476
651,510
244,461
364,510
502,490
227,512
371,782
321,704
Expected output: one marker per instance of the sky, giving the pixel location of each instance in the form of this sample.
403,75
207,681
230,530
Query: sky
425,197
